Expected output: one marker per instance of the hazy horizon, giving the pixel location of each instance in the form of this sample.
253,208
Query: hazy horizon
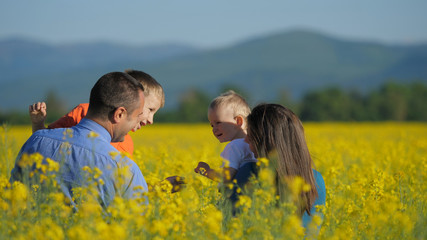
210,24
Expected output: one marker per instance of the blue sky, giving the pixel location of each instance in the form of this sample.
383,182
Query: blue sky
210,23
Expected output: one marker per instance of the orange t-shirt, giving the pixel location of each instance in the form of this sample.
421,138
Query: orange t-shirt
78,113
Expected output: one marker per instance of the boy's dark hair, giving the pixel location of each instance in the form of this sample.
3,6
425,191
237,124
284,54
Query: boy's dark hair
113,90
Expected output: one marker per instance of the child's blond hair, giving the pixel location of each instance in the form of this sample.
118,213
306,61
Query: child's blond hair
149,83
233,101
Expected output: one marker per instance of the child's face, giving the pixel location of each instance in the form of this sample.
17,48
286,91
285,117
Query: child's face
152,104
223,123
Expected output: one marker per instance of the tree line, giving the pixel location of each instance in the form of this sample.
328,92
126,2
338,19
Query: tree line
390,102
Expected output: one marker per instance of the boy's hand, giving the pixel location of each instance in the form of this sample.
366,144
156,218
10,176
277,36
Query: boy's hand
37,112
202,168
177,183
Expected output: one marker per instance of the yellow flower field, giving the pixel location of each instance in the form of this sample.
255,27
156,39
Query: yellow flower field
374,174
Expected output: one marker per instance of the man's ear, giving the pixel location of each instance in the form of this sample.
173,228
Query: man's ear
239,120
119,114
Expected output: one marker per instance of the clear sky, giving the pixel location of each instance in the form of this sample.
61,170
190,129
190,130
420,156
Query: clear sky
211,23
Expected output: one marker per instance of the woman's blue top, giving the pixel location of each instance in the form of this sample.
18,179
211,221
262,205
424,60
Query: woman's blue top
246,171
320,200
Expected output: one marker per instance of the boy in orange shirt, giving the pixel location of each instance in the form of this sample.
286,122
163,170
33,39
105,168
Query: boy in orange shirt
154,100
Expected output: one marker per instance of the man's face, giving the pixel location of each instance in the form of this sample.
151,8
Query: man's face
223,123
151,106
130,120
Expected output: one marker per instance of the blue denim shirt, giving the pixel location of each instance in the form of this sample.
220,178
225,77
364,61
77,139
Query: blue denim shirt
88,144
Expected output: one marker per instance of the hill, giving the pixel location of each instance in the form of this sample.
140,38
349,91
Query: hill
295,61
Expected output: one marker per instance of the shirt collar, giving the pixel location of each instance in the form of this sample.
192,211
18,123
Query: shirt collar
95,127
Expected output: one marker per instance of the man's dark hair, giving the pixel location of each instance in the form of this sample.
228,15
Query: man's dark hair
113,90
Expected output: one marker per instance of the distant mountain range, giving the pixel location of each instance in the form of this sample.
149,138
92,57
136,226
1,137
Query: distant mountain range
295,61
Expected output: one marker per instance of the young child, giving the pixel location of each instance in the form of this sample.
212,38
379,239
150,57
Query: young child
154,100
227,115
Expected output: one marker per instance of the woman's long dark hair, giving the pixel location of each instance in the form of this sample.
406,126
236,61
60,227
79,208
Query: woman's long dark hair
275,128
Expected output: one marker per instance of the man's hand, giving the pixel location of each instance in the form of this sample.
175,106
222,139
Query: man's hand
177,182
38,114
202,168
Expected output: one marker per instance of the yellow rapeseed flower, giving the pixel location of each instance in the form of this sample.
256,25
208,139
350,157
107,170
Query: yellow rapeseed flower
92,135
374,175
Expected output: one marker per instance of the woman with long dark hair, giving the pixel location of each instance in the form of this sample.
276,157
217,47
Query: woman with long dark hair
276,133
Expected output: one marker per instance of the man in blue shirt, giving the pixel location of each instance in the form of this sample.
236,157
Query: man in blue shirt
115,107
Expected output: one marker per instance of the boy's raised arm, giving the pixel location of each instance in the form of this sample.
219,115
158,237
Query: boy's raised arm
38,114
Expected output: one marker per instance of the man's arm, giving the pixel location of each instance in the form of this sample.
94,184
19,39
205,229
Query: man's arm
134,182
177,183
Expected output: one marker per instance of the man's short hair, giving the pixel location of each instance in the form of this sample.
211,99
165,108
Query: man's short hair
114,90
233,101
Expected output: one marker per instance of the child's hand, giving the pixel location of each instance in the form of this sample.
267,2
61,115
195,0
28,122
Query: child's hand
37,113
202,168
